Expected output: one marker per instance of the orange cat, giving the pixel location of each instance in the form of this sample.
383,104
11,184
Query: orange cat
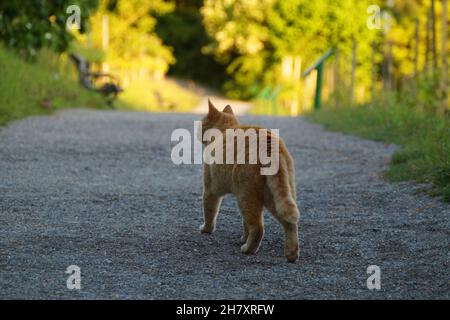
253,190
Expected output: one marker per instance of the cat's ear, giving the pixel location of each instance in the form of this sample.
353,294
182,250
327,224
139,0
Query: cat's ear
212,111
228,109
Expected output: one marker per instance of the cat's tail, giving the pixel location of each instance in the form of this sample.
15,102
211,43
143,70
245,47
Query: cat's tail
282,187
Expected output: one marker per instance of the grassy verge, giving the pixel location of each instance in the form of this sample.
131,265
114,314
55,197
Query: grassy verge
424,137
157,95
47,85
38,88
268,108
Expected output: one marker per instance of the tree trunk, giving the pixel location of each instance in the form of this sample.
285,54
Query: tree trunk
427,44
433,36
444,58
372,75
416,49
390,67
384,64
337,76
105,40
354,61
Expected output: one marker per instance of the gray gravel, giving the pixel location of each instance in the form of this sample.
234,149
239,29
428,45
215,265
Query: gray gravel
97,189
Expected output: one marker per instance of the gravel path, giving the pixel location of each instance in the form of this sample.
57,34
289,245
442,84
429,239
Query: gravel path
97,189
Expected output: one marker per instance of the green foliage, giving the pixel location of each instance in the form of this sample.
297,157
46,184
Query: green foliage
39,88
428,93
424,137
182,29
252,37
133,45
240,40
402,33
29,26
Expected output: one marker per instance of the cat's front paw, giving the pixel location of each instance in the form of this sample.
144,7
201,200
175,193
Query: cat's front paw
206,229
246,249
291,253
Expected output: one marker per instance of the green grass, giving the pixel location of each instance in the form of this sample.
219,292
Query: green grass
261,107
38,88
424,137
157,95
49,84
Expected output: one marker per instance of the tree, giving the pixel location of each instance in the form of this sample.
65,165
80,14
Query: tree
240,40
182,29
252,37
444,59
27,28
133,48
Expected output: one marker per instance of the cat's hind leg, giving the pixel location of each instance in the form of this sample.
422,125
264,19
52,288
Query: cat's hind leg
290,226
244,231
211,204
291,247
251,208
289,221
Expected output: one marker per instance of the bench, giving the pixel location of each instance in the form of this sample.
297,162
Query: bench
110,89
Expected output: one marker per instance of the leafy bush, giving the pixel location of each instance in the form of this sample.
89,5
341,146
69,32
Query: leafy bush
37,24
